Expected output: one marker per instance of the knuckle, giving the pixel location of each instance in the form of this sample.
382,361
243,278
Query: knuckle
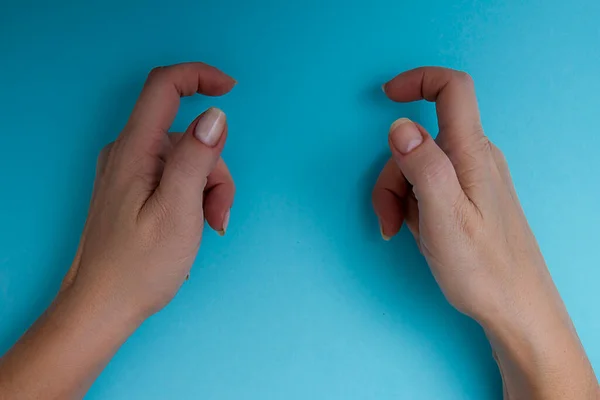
461,217
162,209
473,155
468,223
157,74
497,153
162,223
170,220
478,145
480,148
186,168
154,74
146,179
106,150
465,78
480,133
499,159
104,155
438,170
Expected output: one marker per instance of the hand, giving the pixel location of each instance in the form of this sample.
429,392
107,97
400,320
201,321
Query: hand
456,195
152,194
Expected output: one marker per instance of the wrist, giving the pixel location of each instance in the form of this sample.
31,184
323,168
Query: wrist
97,290
537,348
94,308
528,320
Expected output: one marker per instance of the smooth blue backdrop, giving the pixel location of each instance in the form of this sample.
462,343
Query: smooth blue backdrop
302,299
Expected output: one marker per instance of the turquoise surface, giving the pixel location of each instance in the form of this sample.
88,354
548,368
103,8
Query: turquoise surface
302,299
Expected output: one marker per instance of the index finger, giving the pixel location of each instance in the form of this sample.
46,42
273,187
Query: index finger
158,103
452,91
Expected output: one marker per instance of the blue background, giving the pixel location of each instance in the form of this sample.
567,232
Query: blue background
302,299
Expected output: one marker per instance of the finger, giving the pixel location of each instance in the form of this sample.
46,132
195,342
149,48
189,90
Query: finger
175,137
193,159
411,216
159,101
452,91
425,166
460,132
218,197
388,195
218,194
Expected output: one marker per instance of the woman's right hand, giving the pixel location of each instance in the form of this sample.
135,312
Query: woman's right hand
152,194
456,195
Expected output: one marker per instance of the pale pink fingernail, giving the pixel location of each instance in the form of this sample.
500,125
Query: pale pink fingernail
225,223
210,126
405,136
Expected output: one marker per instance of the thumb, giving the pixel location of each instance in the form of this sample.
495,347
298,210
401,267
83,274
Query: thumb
192,160
425,165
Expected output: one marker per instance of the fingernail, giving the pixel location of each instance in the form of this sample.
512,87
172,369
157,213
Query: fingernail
405,136
383,87
225,223
383,235
210,126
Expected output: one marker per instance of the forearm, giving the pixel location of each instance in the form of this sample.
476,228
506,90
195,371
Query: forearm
538,351
65,350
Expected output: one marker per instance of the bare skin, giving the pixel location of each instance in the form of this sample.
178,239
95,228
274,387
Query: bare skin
456,196
154,190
